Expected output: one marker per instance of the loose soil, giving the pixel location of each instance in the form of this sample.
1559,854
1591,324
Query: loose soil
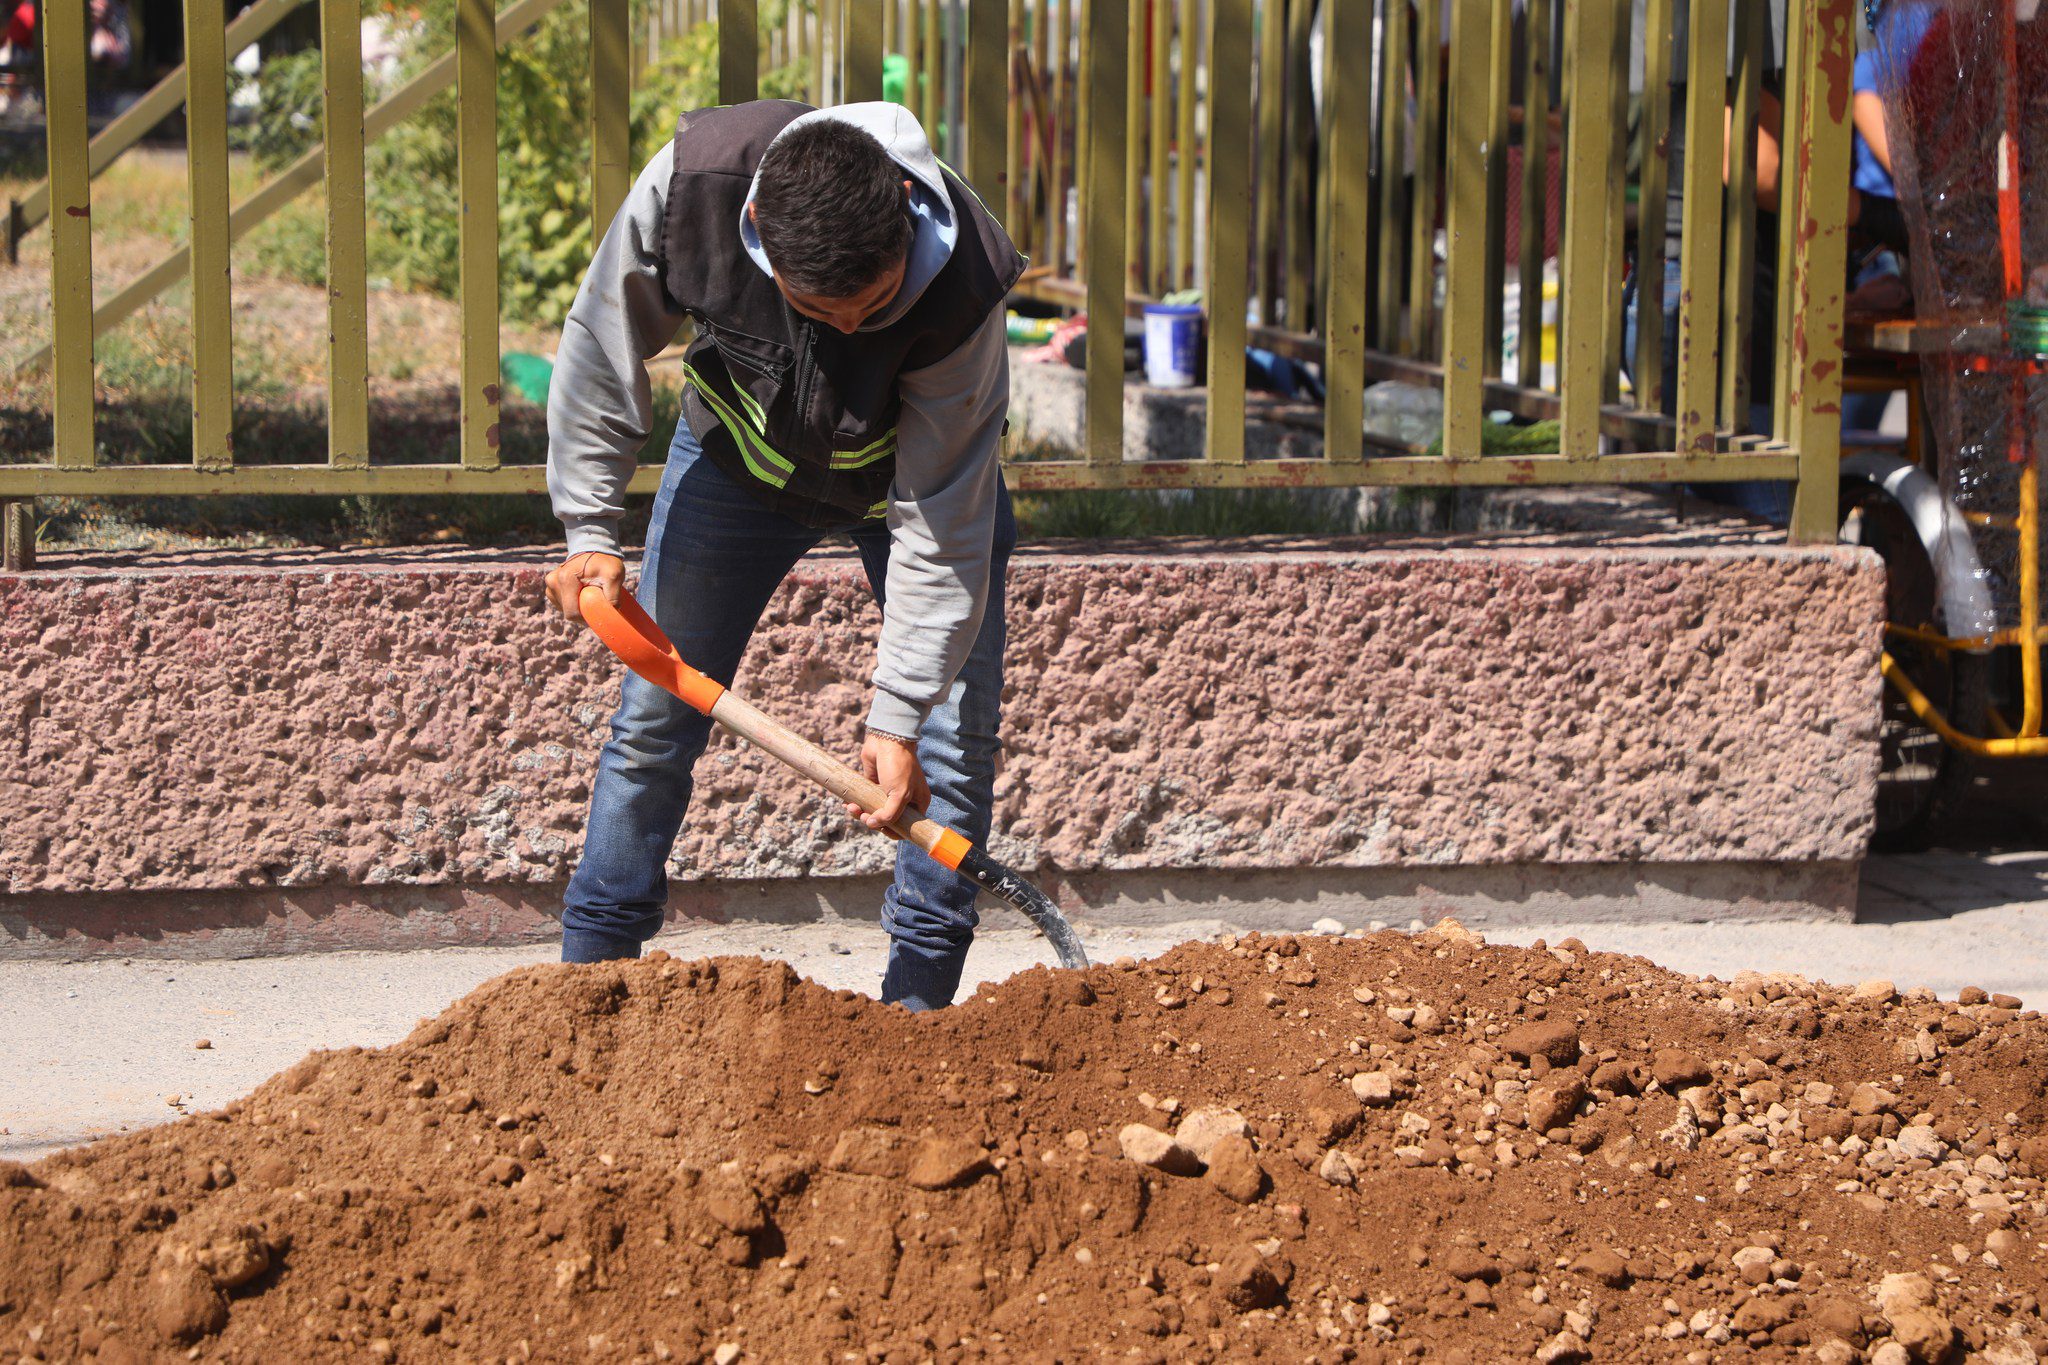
1305,1149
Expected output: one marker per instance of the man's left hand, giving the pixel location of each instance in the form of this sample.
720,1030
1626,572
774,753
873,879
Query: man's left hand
891,763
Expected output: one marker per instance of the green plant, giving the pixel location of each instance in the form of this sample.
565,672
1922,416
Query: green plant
1509,438
291,244
288,109
544,207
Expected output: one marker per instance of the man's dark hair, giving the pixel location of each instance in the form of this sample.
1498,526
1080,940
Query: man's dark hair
829,206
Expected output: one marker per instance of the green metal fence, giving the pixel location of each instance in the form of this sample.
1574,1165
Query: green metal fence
1189,143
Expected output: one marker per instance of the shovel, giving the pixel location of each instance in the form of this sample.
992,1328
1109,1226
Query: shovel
629,632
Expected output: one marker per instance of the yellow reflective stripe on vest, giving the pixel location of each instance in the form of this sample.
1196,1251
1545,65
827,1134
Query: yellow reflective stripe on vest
755,451
753,409
880,509
879,449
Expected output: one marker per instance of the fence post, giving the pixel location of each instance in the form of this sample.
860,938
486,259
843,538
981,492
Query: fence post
1186,157
1347,106
739,52
861,72
1105,59
1652,208
1229,205
1589,39
1752,37
1467,280
1422,329
1815,362
611,99
348,318
476,122
71,319
1699,255
1499,87
206,136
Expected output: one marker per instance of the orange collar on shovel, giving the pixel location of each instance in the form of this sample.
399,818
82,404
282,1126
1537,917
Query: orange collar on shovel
631,634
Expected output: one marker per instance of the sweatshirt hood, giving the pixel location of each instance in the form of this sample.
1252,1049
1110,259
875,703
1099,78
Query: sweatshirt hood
935,227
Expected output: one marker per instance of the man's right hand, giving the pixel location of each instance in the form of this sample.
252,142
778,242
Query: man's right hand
567,580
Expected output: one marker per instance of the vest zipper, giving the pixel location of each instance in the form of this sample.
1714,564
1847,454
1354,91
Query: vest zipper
804,370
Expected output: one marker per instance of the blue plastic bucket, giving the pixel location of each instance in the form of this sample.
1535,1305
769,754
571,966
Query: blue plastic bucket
1173,332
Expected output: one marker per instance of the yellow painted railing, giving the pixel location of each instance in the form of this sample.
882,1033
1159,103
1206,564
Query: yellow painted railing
1137,147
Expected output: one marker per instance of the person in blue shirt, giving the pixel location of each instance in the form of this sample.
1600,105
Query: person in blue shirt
1898,26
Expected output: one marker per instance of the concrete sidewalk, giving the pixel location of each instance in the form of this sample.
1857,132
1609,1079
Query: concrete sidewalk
100,1047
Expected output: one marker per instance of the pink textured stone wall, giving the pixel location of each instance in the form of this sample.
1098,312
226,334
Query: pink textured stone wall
362,722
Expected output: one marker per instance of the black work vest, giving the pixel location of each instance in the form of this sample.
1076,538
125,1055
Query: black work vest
795,410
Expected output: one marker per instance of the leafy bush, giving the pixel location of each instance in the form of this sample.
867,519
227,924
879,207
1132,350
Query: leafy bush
544,210
291,244
288,109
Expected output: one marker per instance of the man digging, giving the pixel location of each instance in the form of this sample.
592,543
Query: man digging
849,374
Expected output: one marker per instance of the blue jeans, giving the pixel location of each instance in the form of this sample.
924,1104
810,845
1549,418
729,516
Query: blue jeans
714,557
1768,499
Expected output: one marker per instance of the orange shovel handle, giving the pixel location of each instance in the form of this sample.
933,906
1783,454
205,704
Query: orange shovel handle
629,632
632,635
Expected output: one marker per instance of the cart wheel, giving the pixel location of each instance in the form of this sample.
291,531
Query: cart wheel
1921,781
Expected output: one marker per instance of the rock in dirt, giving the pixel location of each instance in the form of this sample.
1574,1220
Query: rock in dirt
187,1305
1676,1069
1148,1146
232,1259
1903,1292
1603,1266
1466,1263
1235,1171
1566,1348
1616,1078
1764,1313
1203,1128
1554,1040
1925,1333
867,1151
947,1163
1374,1089
733,1203
1753,1264
1246,1281
1338,1168
1921,1141
1553,1104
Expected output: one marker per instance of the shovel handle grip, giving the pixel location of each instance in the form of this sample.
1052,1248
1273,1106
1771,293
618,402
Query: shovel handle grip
631,634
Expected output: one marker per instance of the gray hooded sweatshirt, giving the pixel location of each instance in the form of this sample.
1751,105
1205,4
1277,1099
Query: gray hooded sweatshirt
943,503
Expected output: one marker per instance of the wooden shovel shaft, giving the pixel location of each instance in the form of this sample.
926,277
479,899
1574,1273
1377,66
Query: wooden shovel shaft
632,634
752,725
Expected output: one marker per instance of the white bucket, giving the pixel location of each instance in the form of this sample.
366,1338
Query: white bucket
1173,333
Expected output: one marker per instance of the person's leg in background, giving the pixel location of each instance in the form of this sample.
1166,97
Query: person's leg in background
929,909
714,557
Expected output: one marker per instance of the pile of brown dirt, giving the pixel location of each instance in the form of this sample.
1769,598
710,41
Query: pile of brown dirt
1433,1148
